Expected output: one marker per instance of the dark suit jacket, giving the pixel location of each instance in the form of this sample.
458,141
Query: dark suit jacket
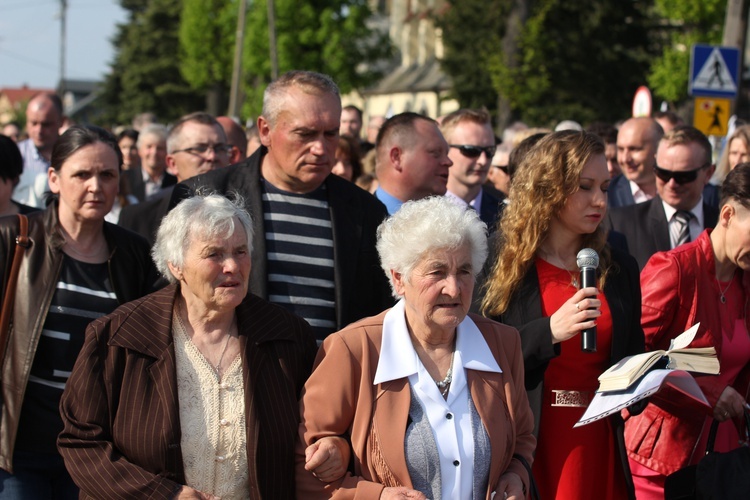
646,227
619,193
623,292
362,288
121,409
134,179
491,209
145,217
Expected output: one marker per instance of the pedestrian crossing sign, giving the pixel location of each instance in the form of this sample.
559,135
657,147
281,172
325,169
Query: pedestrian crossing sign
711,115
714,71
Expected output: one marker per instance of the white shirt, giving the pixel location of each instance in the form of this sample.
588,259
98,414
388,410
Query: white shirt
696,223
450,419
638,194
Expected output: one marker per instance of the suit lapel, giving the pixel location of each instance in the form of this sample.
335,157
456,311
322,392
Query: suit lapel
659,225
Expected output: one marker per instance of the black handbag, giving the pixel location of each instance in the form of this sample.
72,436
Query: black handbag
724,476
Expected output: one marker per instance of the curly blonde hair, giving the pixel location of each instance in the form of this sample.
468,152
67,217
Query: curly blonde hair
546,178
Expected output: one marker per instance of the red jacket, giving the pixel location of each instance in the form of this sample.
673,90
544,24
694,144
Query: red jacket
678,291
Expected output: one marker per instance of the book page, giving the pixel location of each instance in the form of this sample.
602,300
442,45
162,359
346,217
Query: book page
605,404
683,340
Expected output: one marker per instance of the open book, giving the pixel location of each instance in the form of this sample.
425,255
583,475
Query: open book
678,357
605,404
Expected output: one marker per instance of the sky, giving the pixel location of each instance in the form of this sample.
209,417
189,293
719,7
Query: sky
30,40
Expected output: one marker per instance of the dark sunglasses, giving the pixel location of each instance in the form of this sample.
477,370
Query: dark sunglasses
504,168
475,151
679,177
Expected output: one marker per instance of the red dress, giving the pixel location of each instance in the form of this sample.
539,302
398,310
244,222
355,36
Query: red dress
574,463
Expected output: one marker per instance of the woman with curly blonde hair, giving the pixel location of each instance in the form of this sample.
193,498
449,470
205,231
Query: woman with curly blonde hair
559,201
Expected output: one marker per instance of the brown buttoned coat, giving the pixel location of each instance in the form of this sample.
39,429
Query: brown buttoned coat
120,407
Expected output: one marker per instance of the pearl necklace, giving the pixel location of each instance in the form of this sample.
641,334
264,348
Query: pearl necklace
444,385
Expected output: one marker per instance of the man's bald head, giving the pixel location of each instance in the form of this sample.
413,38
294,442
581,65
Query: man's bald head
44,115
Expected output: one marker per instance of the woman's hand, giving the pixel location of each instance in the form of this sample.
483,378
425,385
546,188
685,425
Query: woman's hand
188,493
327,458
730,405
401,493
574,315
510,487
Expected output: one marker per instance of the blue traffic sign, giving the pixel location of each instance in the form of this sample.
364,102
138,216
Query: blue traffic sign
714,71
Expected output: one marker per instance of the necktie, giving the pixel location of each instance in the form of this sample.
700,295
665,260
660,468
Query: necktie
681,227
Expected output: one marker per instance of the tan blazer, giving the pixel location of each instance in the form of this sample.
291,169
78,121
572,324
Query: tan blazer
339,398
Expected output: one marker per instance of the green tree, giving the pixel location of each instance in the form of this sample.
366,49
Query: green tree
473,31
206,34
578,60
145,73
328,36
682,23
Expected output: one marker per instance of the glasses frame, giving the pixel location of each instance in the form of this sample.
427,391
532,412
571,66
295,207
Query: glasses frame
471,151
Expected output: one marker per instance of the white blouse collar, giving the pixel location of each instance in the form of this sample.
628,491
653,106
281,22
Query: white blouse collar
398,359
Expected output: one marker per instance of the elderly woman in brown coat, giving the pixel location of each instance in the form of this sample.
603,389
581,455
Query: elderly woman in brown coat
432,398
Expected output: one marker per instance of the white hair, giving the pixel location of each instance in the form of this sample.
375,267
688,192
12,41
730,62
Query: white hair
423,227
202,216
151,130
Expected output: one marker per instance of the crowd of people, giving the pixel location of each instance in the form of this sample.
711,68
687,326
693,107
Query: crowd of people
312,308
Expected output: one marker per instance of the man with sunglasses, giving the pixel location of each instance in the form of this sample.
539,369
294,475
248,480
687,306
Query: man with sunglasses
196,144
411,160
679,212
472,147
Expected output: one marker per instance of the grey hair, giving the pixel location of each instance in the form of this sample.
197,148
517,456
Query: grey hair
309,82
152,129
203,216
425,226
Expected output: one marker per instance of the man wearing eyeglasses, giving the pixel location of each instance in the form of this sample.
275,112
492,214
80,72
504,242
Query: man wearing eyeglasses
679,212
411,160
196,144
472,147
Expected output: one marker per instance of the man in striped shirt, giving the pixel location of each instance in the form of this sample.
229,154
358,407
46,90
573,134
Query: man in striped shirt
314,250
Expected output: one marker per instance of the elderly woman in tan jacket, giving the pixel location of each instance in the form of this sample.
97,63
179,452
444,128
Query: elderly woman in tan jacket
432,398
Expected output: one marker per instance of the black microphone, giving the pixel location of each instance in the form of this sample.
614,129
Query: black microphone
588,261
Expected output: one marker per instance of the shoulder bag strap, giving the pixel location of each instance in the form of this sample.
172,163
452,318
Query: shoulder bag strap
533,489
22,243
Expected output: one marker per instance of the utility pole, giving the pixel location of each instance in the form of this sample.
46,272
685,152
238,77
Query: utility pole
272,40
234,94
63,11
